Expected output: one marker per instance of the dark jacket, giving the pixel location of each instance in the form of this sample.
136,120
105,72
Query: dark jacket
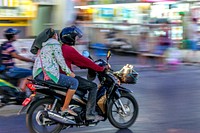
42,37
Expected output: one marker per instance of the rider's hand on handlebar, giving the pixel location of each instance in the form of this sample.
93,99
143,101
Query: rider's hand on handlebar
72,74
106,68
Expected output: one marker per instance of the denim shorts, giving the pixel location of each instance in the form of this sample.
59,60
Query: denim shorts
64,80
18,73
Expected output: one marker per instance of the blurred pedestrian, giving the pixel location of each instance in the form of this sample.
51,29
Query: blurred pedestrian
8,53
173,56
193,38
143,48
163,44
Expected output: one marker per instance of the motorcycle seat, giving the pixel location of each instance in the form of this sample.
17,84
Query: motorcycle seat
48,84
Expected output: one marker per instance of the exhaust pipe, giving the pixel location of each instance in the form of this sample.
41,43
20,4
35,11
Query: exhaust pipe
58,118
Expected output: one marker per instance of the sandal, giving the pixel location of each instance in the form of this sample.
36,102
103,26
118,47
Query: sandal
94,117
69,111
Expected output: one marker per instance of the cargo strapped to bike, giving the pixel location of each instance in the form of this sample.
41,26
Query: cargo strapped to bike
127,75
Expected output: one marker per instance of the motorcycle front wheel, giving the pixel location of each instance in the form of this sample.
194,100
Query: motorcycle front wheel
35,120
123,111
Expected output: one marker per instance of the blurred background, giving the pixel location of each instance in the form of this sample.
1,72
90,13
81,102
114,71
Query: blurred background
107,24
135,31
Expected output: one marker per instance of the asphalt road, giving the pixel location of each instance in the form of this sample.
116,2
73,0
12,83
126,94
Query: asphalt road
169,102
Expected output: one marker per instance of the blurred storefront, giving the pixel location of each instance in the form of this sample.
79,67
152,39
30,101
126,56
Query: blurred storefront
195,11
108,12
31,16
170,13
45,16
159,16
17,13
103,16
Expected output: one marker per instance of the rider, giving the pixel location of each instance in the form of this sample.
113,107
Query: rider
68,37
47,64
8,53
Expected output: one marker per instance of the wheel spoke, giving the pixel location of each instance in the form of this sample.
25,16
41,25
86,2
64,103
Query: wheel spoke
38,123
128,102
44,129
124,111
121,119
118,113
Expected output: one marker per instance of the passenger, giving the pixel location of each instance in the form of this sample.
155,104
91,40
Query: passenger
46,67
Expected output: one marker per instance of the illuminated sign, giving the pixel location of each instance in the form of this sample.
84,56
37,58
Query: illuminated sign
157,0
107,12
50,2
124,1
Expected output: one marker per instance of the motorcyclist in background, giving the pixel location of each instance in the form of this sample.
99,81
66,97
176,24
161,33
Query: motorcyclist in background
68,37
7,55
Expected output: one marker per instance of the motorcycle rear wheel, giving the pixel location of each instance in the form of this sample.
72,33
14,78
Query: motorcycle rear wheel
34,119
116,113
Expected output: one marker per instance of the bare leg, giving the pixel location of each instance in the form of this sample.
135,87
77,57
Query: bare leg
23,83
68,98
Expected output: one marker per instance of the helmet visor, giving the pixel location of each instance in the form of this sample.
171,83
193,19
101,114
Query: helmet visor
78,31
16,31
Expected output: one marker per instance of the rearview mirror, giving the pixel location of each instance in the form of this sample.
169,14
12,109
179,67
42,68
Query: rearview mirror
108,55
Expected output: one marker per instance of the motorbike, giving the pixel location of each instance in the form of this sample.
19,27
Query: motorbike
9,92
114,102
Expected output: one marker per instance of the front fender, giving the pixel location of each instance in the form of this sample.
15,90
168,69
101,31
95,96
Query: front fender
122,89
118,91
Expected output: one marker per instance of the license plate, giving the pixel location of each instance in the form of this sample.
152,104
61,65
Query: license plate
26,101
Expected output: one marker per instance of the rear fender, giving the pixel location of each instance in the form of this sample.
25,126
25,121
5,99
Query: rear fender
35,99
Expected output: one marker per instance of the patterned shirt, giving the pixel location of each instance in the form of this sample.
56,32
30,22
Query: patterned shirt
7,59
52,60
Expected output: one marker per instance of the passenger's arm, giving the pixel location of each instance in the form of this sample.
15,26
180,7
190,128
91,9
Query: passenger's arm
60,59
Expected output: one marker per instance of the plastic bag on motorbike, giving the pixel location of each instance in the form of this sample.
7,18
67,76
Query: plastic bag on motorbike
127,75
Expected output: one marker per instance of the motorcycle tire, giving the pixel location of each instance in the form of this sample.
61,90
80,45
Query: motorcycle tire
29,116
132,119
